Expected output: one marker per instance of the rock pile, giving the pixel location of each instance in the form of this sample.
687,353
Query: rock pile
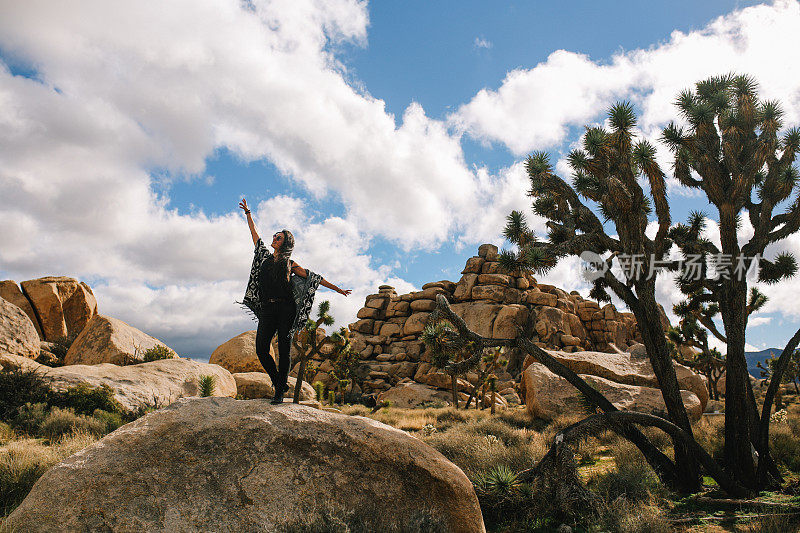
58,306
493,304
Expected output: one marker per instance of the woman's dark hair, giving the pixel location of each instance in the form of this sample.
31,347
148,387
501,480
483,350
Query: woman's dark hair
282,260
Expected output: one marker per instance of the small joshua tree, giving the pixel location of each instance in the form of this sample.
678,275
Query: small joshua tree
448,351
490,363
308,345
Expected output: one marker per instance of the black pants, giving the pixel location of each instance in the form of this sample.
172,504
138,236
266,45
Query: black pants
275,316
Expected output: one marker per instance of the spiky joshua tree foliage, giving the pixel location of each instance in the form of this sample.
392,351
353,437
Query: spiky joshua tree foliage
732,148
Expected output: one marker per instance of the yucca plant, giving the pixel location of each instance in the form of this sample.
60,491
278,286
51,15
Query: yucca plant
207,385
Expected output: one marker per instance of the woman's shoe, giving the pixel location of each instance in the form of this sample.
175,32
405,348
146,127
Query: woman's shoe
278,398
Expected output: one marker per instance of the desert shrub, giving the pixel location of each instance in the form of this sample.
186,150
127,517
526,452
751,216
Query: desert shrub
85,399
785,446
110,421
477,452
631,479
30,417
18,387
207,385
62,422
156,353
7,433
774,523
22,462
624,516
709,433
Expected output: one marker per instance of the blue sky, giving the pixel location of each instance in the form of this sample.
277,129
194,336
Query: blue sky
387,136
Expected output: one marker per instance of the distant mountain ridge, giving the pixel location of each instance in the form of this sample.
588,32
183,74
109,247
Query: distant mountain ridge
754,357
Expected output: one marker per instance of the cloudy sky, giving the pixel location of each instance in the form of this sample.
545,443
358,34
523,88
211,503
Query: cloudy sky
387,137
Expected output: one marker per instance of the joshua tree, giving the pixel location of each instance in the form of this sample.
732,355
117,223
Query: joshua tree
448,350
308,345
607,171
732,150
489,364
690,333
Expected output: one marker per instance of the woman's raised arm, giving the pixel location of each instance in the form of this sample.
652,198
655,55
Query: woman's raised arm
253,232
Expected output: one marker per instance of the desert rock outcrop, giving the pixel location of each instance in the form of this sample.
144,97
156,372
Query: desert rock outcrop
239,354
62,305
109,340
17,333
218,464
494,304
548,395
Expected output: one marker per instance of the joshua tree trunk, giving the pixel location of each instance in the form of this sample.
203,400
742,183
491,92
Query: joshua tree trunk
649,320
298,385
454,388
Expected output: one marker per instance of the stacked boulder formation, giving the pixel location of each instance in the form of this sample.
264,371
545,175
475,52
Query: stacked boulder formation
58,306
494,304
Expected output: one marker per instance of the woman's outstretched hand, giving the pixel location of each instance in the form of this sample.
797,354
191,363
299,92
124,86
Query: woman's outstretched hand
346,292
243,206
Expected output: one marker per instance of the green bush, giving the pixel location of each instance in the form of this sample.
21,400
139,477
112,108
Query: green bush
85,399
63,422
18,387
157,352
29,418
110,421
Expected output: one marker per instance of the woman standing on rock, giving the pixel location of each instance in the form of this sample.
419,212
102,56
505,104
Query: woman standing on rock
281,302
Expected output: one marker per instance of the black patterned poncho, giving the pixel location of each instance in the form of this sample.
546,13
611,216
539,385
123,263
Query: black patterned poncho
303,290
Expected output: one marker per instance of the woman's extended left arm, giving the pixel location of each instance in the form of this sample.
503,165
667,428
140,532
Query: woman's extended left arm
302,272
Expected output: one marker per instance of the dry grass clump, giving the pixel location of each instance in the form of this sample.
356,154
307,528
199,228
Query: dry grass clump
24,461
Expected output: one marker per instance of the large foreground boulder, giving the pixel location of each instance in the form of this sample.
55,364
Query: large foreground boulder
218,464
548,395
17,333
110,340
